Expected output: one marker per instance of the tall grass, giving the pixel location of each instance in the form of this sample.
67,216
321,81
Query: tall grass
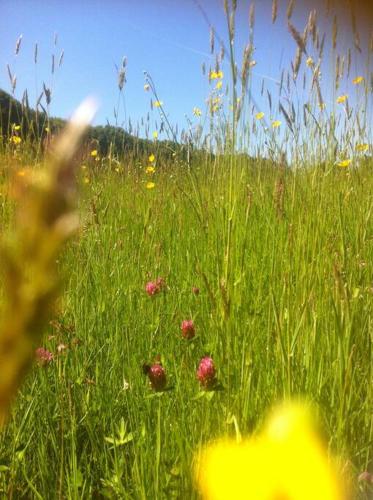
282,258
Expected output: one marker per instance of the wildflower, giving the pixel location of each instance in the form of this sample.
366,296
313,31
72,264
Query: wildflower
146,87
358,80
344,163
206,372
197,112
195,290
94,153
61,348
213,75
362,147
259,115
187,328
342,98
15,139
47,129
366,477
309,62
157,376
151,288
150,169
157,104
151,158
286,461
43,356
150,185
276,124
155,134
154,287
86,180
16,127
220,74
219,85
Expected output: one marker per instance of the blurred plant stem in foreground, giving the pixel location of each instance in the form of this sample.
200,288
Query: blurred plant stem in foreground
45,219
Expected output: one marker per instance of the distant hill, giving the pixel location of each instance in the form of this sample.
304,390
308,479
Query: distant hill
34,123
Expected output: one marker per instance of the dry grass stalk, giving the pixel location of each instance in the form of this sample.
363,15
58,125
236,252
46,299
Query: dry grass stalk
252,16
334,32
274,10
299,39
212,40
45,219
290,8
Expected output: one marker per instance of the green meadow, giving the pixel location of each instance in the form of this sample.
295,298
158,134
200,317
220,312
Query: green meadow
271,260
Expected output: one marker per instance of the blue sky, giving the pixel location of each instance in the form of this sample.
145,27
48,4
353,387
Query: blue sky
167,38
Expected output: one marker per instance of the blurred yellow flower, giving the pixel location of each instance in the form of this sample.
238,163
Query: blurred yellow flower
259,115
47,129
344,163
155,134
216,75
197,112
150,169
16,127
342,98
86,180
276,124
157,104
219,85
151,158
15,139
150,185
94,153
357,80
286,461
146,87
309,61
362,147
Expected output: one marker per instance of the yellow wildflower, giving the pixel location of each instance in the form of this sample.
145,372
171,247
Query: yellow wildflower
16,127
86,180
344,163
15,139
286,461
220,74
47,129
146,87
150,185
219,85
197,112
342,98
94,153
83,167
213,75
362,147
151,158
276,124
157,104
358,80
150,169
155,134
309,61
259,115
